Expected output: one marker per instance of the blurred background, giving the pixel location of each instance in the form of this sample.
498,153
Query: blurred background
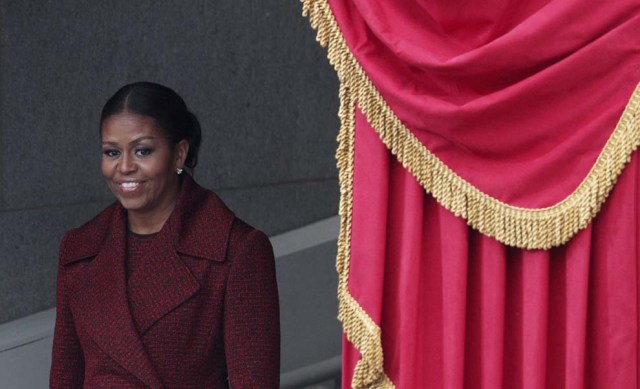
267,101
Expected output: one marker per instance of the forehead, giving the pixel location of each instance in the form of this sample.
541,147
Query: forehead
126,127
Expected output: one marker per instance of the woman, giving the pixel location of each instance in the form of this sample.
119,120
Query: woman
165,288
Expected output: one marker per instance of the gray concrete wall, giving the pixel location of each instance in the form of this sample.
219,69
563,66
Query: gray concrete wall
250,70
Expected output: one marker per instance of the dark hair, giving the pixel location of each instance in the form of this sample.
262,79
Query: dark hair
163,105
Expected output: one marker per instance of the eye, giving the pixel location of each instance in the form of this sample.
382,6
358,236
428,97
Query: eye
143,151
111,153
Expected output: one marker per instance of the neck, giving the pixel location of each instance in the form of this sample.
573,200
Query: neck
145,223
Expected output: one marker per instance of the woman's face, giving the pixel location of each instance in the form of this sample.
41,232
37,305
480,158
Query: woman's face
139,164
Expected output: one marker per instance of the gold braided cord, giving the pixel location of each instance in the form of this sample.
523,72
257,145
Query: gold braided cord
359,328
527,228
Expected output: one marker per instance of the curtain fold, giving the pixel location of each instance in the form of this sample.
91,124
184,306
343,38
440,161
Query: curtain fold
489,189
458,309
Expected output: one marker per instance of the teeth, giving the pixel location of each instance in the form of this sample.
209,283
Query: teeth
129,185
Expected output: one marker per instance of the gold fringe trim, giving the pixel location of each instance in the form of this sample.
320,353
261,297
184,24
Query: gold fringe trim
527,228
358,327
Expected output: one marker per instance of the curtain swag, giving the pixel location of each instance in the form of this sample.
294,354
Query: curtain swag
527,228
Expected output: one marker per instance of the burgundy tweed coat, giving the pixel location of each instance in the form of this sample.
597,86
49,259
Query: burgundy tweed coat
205,309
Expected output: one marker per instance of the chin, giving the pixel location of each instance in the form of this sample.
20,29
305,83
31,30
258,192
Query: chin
131,205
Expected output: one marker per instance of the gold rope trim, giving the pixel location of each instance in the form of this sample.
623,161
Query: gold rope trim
359,328
527,228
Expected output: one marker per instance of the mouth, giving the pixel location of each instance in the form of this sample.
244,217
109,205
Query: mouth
129,186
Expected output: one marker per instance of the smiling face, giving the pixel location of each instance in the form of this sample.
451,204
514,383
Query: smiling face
139,165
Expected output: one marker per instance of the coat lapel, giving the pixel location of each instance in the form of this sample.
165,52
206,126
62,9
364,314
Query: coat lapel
102,311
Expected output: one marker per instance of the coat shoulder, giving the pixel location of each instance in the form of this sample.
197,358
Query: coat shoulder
247,241
241,230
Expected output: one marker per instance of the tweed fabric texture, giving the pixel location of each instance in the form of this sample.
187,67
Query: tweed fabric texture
200,311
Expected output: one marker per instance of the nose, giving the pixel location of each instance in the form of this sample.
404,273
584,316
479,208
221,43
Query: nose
127,165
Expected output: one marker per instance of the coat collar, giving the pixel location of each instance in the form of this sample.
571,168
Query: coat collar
201,222
199,227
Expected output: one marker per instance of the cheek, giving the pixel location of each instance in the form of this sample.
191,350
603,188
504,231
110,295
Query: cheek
106,168
158,167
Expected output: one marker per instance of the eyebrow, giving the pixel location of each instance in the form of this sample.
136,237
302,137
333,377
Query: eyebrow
133,142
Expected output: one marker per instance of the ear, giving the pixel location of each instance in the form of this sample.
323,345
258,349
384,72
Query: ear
181,150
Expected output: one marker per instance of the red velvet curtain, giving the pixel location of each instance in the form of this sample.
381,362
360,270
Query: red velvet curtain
458,309
479,142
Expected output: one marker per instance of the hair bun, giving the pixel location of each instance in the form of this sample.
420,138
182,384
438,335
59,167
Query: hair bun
194,137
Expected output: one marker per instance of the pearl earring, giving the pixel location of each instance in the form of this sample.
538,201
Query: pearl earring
179,171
